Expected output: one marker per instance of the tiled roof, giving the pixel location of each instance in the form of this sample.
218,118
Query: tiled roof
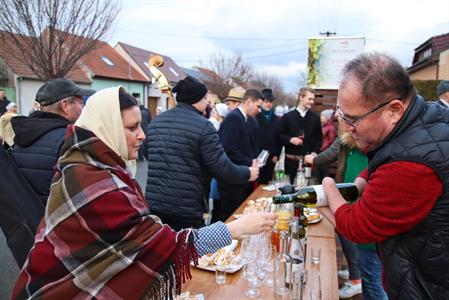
21,69
104,61
209,74
170,69
437,43
440,43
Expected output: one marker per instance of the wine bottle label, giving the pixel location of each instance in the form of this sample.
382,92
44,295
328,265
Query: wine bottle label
321,199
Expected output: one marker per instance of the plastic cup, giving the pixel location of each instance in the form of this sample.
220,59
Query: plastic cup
220,275
315,256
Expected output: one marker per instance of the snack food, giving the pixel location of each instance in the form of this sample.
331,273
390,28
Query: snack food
220,258
312,215
258,205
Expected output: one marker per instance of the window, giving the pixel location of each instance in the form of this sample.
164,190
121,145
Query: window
427,53
107,61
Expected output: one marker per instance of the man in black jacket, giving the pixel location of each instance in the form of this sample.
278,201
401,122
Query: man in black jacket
240,143
39,137
300,131
267,135
184,151
443,93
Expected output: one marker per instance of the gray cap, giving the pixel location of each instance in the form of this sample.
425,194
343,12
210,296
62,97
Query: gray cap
57,89
443,87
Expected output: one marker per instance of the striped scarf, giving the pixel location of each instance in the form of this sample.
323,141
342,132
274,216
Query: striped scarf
98,239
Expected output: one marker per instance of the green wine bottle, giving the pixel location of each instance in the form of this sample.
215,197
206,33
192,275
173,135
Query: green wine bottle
314,195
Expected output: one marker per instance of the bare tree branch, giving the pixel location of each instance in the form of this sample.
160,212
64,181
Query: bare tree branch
50,36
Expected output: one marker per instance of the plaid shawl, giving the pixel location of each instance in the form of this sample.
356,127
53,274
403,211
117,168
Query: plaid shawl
98,240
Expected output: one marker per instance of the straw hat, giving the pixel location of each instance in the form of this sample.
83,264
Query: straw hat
235,94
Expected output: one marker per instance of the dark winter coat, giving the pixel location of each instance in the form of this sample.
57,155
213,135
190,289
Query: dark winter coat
184,151
37,143
268,134
146,119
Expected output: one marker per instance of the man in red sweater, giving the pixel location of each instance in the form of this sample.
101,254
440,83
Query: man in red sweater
404,207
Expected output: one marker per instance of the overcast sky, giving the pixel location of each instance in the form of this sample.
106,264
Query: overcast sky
272,35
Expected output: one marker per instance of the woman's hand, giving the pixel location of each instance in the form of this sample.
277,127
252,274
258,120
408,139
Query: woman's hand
253,223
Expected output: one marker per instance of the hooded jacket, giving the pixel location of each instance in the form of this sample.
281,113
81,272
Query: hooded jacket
37,143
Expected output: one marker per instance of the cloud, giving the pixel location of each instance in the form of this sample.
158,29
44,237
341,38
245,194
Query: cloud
273,35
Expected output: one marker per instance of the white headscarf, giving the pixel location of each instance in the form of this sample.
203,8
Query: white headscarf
102,116
222,109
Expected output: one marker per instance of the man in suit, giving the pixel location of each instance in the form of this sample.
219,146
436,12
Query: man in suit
267,136
443,93
300,131
240,145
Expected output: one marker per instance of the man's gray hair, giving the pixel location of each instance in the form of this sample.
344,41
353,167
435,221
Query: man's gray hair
381,77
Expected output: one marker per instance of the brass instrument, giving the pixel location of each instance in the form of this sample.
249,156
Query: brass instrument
154,63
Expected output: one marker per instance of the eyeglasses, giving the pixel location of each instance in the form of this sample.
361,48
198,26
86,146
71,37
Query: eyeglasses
353,120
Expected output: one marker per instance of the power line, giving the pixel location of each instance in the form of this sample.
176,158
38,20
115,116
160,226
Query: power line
212,37
244,51
250,57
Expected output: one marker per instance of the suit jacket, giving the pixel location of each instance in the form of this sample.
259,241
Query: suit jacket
237,137
267,135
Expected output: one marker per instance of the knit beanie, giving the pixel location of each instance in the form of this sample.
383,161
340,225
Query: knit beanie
189,90
443,87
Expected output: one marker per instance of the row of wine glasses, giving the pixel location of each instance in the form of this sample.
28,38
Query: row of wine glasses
256,254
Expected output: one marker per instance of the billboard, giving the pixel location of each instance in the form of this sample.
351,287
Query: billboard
326,58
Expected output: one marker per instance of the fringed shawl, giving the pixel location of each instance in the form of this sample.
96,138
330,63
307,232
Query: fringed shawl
98,239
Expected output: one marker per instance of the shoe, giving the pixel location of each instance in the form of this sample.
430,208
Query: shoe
343,274
350,289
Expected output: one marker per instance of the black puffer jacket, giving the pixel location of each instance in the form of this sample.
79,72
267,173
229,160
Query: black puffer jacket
416,262
184,151
37,142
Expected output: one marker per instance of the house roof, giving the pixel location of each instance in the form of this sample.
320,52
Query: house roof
208,74
15,62
437,44
170,69
104,61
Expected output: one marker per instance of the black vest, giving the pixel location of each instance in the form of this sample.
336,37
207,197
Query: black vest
416,263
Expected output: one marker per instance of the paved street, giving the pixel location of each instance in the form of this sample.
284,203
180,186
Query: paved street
8,266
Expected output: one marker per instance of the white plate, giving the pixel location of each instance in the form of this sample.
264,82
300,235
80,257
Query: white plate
316,220
269,188
231,268
197,296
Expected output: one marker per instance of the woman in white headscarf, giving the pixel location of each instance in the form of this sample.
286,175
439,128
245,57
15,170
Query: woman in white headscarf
98,238
6,131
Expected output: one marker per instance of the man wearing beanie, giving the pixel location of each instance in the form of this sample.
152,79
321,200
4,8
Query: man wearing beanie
184,151
443,93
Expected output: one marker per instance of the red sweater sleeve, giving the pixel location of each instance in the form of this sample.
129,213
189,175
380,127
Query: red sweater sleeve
393,202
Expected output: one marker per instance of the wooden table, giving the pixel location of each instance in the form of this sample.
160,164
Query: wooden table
320,235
